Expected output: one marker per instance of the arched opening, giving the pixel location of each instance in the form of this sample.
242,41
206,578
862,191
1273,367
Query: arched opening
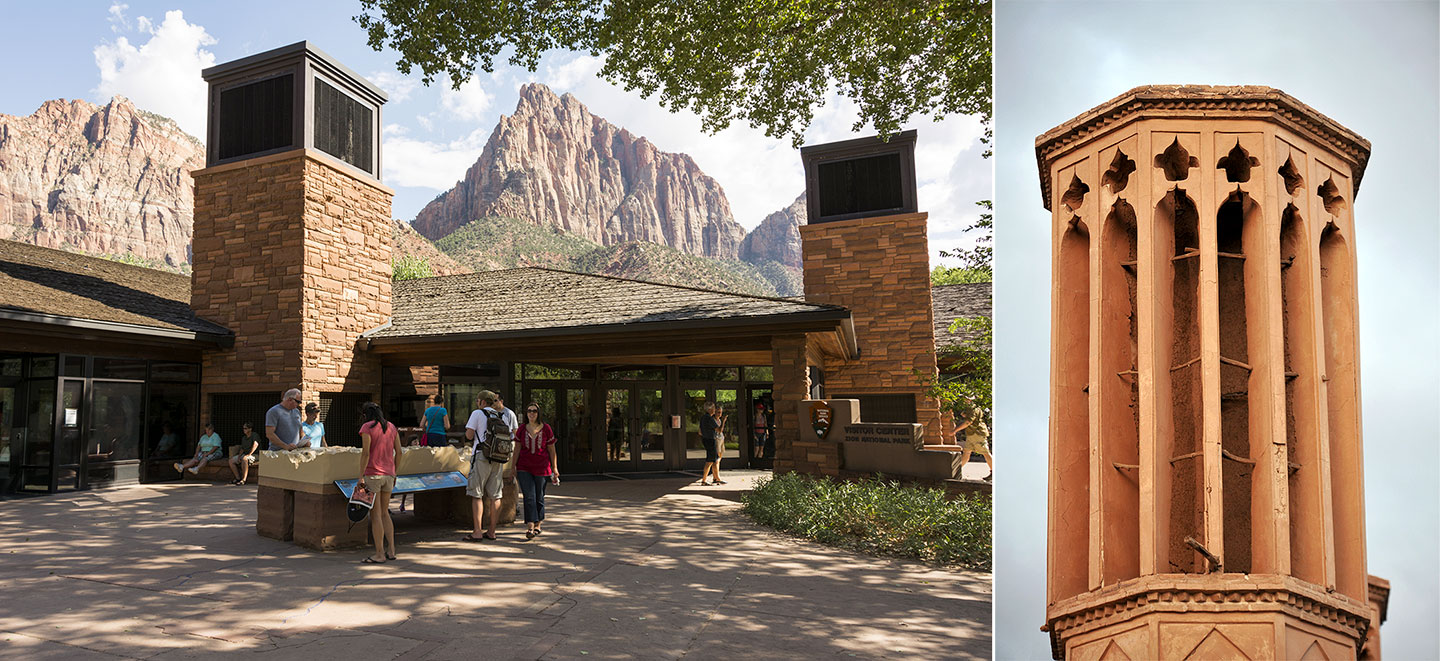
1302,435
1177,322
1119,385
1337,294
1236,235
1070,418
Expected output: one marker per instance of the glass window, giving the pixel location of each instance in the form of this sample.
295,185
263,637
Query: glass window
460,399
42,366
636,374
74,366
11,366
171,416
119,368
533,371
709,374
760,373
116,409
164,371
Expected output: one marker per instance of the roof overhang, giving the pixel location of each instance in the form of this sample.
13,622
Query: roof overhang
688,337
117,330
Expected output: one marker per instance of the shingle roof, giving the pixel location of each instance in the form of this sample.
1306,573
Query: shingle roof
953,301
535,298
44,281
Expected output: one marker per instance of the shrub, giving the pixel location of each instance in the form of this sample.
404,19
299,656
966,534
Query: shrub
877,516
410,267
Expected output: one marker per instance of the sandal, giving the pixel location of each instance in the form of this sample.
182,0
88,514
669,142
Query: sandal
475,540
389,557
371,561
490,536
530,534
719,482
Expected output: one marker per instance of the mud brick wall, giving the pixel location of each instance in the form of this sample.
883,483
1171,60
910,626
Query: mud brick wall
878,268
292,252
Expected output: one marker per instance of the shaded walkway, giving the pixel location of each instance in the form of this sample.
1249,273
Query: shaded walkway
657,569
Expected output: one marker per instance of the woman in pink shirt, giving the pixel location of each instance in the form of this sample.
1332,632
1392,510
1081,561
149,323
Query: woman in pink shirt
535,466
379,452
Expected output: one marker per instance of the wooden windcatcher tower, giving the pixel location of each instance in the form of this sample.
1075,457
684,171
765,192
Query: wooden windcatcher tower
1206,495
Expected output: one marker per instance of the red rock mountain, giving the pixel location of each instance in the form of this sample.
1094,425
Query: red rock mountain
106,180
777,238
555,164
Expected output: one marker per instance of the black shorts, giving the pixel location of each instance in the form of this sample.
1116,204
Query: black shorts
712,449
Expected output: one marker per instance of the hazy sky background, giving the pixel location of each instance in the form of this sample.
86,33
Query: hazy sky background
1370,66
152,52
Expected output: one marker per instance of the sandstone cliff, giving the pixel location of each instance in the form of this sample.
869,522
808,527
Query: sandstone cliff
777,238
107,180
556,165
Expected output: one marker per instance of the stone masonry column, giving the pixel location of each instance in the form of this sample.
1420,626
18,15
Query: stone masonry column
792,386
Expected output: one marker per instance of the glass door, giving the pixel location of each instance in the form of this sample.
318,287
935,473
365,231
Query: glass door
761,423
634,427
69,442
112,450
732,445
566,408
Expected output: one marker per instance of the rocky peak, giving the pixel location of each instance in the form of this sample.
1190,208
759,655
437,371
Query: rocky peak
557,165
109,180
777,238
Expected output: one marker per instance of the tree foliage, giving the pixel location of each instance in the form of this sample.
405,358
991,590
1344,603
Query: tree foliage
766,62
410,267
969,383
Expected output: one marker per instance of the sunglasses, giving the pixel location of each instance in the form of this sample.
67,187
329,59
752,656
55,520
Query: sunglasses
532,410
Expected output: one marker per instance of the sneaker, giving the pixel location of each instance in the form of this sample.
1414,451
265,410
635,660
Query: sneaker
178,467
194,470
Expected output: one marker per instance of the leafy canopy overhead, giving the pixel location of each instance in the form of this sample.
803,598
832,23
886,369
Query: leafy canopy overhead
767,62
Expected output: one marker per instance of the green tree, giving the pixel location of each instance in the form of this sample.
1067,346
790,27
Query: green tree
410,267
976,264
767,62
970,381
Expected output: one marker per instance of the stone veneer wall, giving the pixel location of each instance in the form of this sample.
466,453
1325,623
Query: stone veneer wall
292,252
346,278
878,268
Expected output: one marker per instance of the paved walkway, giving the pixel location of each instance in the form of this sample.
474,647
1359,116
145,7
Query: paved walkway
650,569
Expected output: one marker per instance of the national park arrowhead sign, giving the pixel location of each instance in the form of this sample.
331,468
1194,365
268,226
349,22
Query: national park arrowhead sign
821,415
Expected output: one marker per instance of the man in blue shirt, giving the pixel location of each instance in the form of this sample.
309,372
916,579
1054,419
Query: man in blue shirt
282,422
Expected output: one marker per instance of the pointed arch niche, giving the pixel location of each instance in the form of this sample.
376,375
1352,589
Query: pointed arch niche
1070,437
1302,434
1177,324
1119,398
1337,293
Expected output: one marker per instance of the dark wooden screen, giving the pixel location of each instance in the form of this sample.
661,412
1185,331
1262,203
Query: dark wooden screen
257,117
860,185
343,127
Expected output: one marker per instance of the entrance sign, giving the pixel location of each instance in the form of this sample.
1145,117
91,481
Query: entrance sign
821,415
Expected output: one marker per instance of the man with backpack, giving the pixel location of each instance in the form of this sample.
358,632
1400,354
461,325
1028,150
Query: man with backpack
492,442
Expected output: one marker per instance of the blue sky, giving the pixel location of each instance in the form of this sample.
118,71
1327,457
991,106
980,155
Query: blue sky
152,52
1370,66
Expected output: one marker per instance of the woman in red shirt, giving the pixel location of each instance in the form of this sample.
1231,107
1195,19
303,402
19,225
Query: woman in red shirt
535,466
379,452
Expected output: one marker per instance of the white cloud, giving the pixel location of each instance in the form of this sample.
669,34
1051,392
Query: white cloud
562,76
163,74
433,165
117,19
468,103
397,85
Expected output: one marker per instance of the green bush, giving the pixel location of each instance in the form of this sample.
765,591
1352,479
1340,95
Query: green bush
410,267
877,516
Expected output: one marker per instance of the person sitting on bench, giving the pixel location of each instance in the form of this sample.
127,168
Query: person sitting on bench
207,450
248,454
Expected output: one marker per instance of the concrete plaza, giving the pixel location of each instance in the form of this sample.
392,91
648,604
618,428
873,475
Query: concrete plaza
655,568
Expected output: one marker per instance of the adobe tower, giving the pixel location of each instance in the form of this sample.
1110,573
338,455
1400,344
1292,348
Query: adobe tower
292,231
1206,495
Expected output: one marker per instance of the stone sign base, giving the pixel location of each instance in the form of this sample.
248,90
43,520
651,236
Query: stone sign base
297,499
900,459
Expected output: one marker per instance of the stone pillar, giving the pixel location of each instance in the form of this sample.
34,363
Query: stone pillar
1206,496
789,355
879,269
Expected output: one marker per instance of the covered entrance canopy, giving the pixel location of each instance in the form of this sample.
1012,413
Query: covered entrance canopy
639,353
